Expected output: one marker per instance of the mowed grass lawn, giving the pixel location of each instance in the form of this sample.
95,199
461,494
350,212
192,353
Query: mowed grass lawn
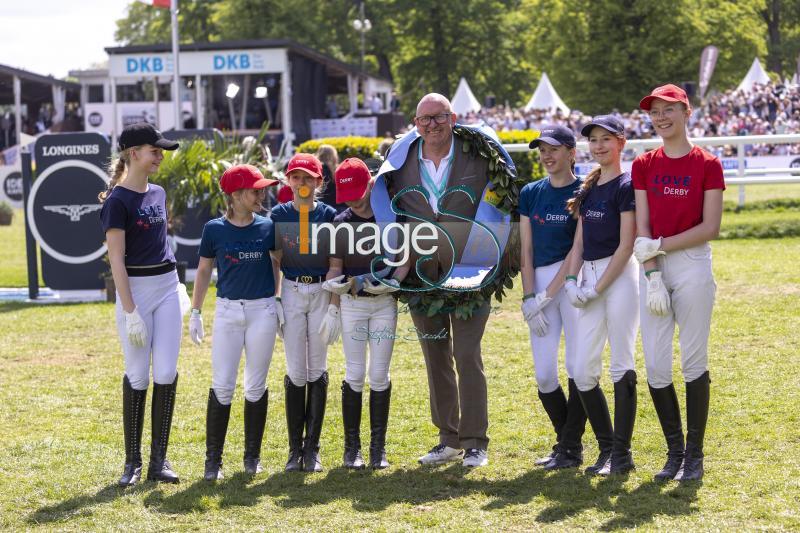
62,449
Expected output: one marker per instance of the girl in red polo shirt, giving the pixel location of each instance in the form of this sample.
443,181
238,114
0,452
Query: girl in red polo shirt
678,191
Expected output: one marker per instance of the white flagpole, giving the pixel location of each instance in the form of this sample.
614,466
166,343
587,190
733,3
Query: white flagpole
176,87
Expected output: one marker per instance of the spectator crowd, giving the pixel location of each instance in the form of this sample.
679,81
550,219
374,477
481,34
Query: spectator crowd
765,110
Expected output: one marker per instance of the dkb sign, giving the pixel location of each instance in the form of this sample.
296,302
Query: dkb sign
63,209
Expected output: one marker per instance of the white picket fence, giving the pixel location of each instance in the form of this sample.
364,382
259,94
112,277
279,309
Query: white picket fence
739,176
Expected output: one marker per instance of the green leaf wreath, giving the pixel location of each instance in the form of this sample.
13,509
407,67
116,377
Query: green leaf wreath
506,184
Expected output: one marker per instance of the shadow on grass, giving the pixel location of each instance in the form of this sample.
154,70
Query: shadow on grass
569,492
78,504
649,499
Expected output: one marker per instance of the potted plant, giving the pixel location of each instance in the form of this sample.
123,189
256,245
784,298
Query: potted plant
6,214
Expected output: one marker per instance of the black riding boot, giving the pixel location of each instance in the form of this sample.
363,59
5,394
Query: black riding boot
555,405
315,414
133,402
697,399
163,407
596,408
570,449
669,414
624,418
295,419
351,418
217,417
378,422
255,418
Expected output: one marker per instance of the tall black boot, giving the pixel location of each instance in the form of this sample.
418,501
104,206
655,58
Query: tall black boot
315,414
163,407
295,420
378,421
669,414
596,408
351,418
133,402
697,399
217,417
555,405
255,418
624,419
570,449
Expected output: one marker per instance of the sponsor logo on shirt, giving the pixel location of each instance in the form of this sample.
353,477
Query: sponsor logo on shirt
553,215
595,212
674,186
237,252
151,215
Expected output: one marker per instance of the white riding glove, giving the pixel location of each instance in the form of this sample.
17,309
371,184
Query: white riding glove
589,293
539,324
658,302
331,325
534,305
134,324
336,286
281,319
574,294
378,288
645,249
196,327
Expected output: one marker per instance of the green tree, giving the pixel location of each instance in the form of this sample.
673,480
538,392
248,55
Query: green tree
606,54
146,24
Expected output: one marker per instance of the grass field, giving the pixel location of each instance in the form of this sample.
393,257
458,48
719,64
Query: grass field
60,373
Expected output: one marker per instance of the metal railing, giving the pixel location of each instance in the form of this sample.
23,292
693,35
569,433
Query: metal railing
740,176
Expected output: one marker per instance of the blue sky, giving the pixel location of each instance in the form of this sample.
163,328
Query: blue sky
56,36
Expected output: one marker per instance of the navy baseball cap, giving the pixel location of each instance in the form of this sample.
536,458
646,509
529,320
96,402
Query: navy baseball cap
607,122
555,136
143,133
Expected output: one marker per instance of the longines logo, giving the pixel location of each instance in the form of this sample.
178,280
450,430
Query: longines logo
74,211
71,149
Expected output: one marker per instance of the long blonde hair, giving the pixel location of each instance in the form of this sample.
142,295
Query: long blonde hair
117,169
228,206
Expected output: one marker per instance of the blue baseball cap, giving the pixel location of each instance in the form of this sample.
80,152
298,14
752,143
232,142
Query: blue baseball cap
555,136
607,122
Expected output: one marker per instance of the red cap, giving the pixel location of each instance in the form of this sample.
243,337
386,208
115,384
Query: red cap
243,177
308,163
669,93
352,179
285,194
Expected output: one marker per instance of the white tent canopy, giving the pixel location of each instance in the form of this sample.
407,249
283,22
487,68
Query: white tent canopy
464,101
546,97
756,74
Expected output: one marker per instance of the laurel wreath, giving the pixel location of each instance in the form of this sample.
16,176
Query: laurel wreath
506,185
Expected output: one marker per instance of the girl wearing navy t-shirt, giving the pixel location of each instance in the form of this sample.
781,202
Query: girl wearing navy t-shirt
148,313
312,322
679,209
547,231
607,295
246,314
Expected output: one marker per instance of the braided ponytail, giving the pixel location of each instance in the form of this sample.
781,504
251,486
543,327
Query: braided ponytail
574,204
117,169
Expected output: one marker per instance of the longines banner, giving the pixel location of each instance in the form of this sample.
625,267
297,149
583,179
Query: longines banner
63,210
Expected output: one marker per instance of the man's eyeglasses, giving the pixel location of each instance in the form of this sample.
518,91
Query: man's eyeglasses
425,120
